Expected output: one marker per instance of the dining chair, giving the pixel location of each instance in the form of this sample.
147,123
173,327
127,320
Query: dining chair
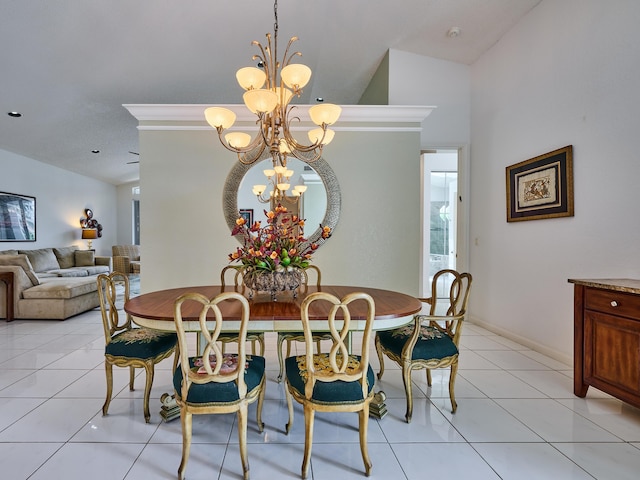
290,337
213,382
126,346
236,272
336,381
430,341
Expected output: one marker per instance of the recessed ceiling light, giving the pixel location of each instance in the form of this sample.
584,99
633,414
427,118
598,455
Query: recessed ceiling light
14,114
454,32
95,151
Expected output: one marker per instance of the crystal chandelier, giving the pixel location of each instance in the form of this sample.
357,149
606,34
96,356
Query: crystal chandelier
269,88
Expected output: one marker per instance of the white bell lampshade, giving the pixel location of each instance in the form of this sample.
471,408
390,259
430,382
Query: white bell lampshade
251,78
219,117
238,139
325,113
295,75
260,101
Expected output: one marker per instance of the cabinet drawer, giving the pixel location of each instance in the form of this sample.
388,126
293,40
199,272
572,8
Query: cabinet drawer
613,303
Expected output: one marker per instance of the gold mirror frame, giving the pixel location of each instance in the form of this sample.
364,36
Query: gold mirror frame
324,171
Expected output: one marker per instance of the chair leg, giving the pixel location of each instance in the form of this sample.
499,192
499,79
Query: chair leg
261,342
364,426
176,357
259,407
280,358
186,420
108,367
150,370
452,381
428,376
287,394
380,357
242,438
406,378
132,376
309,414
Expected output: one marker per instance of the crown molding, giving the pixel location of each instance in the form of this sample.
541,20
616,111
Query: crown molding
360,114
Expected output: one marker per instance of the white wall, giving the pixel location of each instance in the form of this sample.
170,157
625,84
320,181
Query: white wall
419,80
185,237
61,197
567,74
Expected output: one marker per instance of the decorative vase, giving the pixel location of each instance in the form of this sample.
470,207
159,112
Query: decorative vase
272,282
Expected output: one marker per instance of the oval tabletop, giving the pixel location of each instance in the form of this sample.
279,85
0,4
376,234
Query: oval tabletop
156,309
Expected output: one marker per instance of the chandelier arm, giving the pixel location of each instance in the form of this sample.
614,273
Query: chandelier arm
286,61
248,158
252,146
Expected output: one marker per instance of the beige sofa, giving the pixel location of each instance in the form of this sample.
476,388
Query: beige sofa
52,283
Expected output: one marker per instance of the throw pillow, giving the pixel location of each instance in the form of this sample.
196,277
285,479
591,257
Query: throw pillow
9,252
21,261
84,258
66,257
41,259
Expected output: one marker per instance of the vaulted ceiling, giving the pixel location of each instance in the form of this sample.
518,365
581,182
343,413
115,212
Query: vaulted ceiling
68,66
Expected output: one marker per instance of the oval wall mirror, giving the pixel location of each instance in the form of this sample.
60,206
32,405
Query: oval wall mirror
321,203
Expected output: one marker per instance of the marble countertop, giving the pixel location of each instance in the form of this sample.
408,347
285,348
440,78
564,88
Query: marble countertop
628,285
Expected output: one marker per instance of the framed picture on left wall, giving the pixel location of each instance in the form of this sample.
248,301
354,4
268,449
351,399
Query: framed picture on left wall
17,218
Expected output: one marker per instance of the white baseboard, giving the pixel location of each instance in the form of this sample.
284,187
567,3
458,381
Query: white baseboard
538,347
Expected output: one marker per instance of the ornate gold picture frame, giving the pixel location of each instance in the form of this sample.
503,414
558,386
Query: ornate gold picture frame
541,187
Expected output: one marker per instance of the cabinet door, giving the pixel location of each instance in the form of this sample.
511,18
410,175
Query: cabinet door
612,354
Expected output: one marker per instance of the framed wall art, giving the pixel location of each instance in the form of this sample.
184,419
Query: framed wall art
541,187
247,214
17,218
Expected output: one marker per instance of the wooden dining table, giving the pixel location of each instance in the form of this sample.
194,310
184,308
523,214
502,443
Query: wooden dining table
156,309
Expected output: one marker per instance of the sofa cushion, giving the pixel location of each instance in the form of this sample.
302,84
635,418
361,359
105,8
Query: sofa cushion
8,252
21,261
70,272
62,287
97,269
42,259
65,255
85,258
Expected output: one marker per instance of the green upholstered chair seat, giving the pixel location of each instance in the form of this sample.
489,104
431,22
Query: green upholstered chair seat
217,393
141,343
432,343
326,392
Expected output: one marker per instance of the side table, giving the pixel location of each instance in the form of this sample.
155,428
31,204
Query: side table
7,278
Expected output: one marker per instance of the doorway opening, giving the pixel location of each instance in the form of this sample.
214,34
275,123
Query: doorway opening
441,214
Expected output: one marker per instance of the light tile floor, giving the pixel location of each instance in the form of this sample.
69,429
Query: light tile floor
517,418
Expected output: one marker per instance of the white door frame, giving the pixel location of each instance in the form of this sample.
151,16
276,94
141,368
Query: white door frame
462,240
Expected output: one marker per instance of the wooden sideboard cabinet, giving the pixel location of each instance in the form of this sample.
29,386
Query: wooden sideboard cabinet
606,351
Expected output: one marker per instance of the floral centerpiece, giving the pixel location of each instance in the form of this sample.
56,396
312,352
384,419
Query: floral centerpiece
273,256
